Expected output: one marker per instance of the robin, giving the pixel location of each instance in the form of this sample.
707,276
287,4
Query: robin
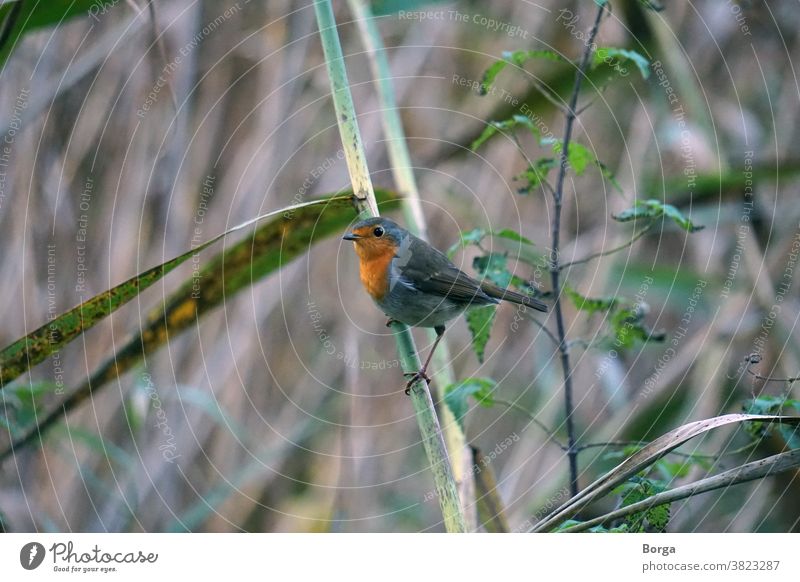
416,284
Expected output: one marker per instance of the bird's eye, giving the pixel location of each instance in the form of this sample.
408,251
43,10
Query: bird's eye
378,232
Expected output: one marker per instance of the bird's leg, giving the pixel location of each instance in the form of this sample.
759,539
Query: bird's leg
421,374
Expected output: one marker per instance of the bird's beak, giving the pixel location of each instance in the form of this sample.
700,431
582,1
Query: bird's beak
351,236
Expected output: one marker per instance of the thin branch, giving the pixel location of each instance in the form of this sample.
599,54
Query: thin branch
549,432
621,247
542,326
753,359
555,268
749,472
547,95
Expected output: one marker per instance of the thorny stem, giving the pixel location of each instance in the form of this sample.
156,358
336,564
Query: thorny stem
555,267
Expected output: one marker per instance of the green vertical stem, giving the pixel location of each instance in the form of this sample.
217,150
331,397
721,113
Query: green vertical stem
403,174
365,200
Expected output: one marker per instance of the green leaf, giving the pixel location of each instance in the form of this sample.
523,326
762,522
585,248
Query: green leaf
613,56
535,174
509,234
653,519
494,267
609,175
99,444
31,15
676,215
651,209
476,236
766,404
626,321
566,524
470,237
21,355
591,305
579,156
456,396
479,321
510,124
236,268
23,404
518,58
628,327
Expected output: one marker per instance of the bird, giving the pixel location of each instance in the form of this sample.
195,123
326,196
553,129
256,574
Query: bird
416,284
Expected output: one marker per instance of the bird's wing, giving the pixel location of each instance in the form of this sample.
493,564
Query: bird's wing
430,271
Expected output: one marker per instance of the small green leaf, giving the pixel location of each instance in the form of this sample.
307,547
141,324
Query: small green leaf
613,56
507,125
470,237
456,396
626,321
535,174
491,74
680,219
31,16
767,404
479,321
494,267
653,519
509,234
651,209
476,236
628,326
591,305
518,58
609,175
579,156
566,524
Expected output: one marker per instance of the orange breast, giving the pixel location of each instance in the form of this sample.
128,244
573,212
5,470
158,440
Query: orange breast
374,271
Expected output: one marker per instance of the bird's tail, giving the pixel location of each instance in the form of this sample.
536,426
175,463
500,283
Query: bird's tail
513,297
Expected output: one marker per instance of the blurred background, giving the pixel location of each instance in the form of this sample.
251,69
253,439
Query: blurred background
133,132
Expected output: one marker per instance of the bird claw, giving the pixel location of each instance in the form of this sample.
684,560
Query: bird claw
390,321
414,378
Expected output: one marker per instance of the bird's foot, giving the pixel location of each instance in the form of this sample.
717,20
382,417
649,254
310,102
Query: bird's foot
415,377
390,321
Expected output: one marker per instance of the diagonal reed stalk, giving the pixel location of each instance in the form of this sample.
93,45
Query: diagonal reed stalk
403,174
364,198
